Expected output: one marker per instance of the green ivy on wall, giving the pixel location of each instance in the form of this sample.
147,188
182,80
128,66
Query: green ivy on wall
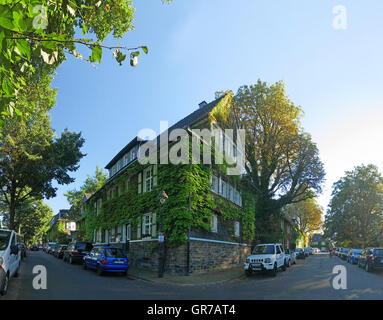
190,201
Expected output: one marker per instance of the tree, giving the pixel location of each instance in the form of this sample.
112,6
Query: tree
355,214
31,156
32,219
282,163
307,214
34,33
91,185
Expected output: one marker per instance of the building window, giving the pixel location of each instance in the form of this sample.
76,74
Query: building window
214,223
98,206
236,228
147,179
140,182
149,224
128,231
215,184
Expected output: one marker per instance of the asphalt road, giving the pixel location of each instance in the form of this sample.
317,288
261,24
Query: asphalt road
309,279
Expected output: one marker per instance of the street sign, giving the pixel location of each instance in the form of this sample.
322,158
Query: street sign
161,237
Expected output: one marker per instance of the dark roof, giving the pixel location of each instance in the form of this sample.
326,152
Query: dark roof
195,116
61,215
118,156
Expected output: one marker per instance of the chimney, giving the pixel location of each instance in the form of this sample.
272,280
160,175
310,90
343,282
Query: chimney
202,104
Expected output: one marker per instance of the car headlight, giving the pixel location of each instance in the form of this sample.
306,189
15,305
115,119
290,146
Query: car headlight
267,260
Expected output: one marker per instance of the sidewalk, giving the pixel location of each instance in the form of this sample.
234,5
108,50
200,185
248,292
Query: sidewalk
211,277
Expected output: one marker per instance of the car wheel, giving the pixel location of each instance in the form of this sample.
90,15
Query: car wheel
284,267
4,287
99,271
274,271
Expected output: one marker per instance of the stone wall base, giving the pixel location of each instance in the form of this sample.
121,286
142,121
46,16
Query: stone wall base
204,256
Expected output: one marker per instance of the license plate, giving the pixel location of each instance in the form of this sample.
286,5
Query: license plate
255,266
119,261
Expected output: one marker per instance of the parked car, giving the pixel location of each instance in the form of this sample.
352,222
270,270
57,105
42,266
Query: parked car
266,257
10,257
290,257
300,253
345,253
106,259
54,248
371,258
316,250
353,255
308,251
76,251
59,253
40,247
339,252
50,247
34,247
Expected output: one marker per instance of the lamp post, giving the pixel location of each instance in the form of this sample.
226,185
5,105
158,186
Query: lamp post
162,196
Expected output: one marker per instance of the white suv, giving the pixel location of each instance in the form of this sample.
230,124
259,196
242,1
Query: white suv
266,257
10,256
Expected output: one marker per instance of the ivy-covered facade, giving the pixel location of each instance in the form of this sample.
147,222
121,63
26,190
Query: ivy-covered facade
208,217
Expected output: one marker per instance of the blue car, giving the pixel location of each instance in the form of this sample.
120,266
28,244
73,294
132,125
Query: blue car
353,255
107,259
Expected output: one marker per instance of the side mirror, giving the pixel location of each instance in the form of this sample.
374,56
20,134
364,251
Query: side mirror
14,249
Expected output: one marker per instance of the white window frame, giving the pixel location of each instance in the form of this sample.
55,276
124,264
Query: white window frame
98,206
214,223
237,227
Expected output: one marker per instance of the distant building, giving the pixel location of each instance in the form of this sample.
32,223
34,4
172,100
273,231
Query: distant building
61,227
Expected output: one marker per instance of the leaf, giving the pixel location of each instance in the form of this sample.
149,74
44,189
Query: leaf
96,54
18,112
6,23
24,48
145,49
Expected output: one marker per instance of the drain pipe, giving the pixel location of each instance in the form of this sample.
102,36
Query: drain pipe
188,247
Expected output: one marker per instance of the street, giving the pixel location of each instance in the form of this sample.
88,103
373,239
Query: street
308,279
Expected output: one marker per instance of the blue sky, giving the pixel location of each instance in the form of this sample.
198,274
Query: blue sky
199,47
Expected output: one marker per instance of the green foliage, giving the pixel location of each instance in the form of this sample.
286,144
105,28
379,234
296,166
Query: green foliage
31,156
90,186
58,233
190,203
355,211
282,163
37,33
307,214
33,217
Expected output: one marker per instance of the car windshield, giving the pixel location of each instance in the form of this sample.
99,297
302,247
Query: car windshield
114,253
264,249
83,246
4,239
